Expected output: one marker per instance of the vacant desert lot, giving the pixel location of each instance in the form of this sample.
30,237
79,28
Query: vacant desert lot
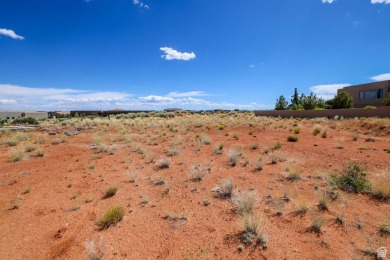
324,196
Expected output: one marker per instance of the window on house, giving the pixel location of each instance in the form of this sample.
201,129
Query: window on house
361,95
370,94
379,93
13,117
7,117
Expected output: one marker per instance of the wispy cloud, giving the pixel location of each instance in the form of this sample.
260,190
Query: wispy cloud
381,77
141,4
171,54
20,97
11,34
252,66
328,1
380,1
327,91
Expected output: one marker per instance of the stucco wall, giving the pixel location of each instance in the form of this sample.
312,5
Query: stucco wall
330,113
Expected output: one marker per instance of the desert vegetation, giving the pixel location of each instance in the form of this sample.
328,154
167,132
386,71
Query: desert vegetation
209,185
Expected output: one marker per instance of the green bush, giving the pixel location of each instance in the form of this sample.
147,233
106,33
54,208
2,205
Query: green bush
386,100
353,179
369,107
110,192
292,138
342,100
112,216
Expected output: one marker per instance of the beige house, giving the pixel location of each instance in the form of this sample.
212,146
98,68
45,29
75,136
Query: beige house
13,114
369,94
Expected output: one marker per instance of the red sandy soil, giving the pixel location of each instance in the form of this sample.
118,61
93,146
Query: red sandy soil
54,220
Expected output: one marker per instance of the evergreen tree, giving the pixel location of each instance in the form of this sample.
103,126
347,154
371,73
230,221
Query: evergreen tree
281,103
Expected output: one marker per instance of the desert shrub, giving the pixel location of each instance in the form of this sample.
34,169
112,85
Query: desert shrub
95,251
381,188
277,146
352,179
173,151
218,148
197,172
254,146
244,202
30,147
303,207
25,120
317,223
296,130
323,204
292,138
294,175
233,155
97,139
16,155
226,188
13,142
205,139
316,129
355,136
40,152
259,164
386,100
110,191
163,163
253,225
236,136
112,216
384,228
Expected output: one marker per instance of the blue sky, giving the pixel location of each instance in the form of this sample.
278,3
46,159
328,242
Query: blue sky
192,54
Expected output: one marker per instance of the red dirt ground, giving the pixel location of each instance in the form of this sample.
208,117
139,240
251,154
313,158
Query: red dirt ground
54,220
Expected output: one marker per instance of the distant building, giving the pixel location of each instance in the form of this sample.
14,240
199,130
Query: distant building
370,94
13,114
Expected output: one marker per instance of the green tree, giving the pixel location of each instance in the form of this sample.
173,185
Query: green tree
386,101
295,98
342,100
309,102
281,103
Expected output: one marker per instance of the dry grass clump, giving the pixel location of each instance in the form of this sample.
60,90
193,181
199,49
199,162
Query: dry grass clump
30,147
110,191
303,207
244,202
317,223
292,138
95,251
40,152
316,129
173,151
381,188
197,172
253,225
226,188
112,216
13,142
233,155
163,163
296,130
218,148
16,154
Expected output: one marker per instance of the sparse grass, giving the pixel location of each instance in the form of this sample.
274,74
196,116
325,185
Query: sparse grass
253,226
323,204
292,138
303,207
226,188
236,136
30,147
294,175
26,190
112,216
317,223
110,191
13,142
173,151
16,154
198,172
163,163
355,136
352,179
244,202
340,219
259,166
205,139
324,133
233,155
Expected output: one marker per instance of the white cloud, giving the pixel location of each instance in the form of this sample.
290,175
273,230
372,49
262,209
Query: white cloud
171,54
381,77
141,4
11,34
252,66
327,91
7,102
187,94
20,97
380,1
328,1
